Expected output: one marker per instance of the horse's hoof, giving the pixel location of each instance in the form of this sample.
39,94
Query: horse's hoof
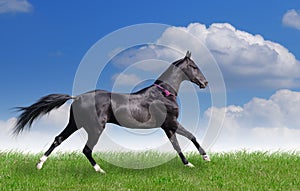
39,165
206,158
98,169
43,159
189,165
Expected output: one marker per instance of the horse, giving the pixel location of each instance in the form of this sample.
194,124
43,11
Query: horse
152,107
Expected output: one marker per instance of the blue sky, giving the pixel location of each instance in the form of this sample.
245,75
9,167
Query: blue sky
42,44
41,48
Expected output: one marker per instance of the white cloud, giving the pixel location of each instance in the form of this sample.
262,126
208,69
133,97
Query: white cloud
126,79
131,56
262,124
41,135
152,66
292,19
144,57
280,110
258,139
246,60
14,6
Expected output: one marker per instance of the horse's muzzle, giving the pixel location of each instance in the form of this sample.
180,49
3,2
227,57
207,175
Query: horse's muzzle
203,84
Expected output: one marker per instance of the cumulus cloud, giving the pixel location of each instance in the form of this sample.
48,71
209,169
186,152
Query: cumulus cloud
15,6
41,135
246,60
262,124
126,79
280,110
133,55
144,57
258,139
291,19
140,64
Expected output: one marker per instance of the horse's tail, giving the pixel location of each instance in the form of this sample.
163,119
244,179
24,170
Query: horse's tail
42,106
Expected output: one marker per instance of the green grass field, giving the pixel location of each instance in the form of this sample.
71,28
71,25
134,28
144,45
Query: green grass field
230,171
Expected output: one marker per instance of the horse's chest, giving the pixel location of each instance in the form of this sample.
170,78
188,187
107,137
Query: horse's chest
173,110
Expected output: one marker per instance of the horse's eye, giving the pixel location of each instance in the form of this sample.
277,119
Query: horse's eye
195,67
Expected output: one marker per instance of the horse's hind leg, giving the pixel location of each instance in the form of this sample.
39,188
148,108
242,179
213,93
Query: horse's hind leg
69,130
182,131
93,137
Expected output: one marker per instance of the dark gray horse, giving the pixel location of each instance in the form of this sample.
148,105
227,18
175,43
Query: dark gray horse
152,107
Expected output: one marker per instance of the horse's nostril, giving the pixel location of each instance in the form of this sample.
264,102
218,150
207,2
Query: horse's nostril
206,83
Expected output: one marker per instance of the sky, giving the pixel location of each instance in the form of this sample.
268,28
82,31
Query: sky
255,44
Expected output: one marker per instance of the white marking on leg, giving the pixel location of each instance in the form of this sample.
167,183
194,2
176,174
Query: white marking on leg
190,165
98,169
41,162
206,158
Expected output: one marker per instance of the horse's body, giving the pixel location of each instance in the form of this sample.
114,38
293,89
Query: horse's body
152,107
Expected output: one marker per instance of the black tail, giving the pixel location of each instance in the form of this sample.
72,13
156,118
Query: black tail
41,107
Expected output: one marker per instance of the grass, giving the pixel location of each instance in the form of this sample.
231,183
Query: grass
228,171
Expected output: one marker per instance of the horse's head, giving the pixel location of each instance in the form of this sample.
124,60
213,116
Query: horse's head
192,72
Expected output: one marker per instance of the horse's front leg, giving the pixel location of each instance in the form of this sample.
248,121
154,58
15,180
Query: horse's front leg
182,131
172,137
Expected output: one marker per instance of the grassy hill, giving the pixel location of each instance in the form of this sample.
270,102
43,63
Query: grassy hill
229,171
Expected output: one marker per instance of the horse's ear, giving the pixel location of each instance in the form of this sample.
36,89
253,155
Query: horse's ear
188,54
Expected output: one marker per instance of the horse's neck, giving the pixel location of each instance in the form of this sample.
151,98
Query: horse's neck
172,77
